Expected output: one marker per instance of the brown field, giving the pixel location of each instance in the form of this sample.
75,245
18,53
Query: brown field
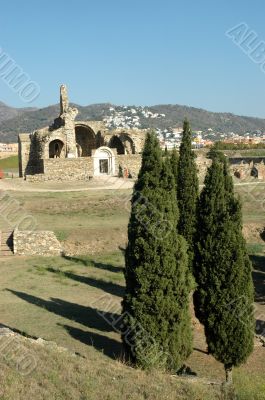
61,299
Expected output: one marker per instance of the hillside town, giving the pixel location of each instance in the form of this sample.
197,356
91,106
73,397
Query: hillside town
132,118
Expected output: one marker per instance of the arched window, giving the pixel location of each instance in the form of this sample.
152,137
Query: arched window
56,148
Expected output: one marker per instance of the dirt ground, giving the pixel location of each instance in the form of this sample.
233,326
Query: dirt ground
98,183
254,232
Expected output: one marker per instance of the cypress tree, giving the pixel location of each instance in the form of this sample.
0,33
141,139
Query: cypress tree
187,190
156,323
224,297
174,159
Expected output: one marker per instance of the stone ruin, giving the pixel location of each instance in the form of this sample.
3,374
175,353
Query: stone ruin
78,150
70,150
248,168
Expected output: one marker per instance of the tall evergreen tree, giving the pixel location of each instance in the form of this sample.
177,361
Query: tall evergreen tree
187,189
174,159
224,297
157,330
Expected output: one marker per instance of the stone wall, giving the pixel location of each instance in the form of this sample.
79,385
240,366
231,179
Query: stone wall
202,165
248,168
30,151
64,169
24,152
130,161
73,169
29,243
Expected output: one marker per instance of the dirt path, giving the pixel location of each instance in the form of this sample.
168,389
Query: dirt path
103,183
108,183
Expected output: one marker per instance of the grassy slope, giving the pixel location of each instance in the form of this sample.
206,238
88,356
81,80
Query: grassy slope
64,377
59,298
9,163
66,309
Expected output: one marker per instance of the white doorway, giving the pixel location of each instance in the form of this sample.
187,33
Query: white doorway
103,161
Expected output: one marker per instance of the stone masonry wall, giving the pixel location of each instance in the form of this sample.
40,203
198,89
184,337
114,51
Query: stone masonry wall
130,161
24,152
29,243
64,169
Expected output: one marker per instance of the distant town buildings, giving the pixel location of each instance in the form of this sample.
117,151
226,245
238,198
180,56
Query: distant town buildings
237,139
8,147
128,117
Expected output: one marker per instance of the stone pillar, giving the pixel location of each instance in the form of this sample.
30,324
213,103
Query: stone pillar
68,115
64,102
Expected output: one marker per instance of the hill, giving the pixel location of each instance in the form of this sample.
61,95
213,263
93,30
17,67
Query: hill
28,121
7,112
13,121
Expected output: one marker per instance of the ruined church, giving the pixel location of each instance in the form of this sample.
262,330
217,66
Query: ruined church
78,150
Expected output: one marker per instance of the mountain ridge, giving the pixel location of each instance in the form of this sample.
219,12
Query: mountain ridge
17,120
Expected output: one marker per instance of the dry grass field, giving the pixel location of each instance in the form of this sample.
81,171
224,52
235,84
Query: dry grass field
62,299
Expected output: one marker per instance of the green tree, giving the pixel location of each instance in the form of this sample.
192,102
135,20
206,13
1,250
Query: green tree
187,190
224,296
157,330
174,159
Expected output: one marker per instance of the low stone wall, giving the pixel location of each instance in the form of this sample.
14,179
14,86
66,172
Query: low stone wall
244,168
132,162
64,169
42,243
36,178
36,168
76,169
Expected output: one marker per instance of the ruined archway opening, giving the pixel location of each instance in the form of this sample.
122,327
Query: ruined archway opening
254,173
56,148
128,144
85,141
116,143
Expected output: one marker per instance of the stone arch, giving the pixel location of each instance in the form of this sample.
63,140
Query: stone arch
103,161
116,143
128,143
85,140
56,148
254,172
238,174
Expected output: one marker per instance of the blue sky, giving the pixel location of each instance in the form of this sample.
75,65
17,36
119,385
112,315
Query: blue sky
136,52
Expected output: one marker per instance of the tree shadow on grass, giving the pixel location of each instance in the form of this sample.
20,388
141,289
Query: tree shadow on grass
260,327
99,265
109,287
110,347
18,331
106,267
259,283
258,275
85,315
258,262
201,351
